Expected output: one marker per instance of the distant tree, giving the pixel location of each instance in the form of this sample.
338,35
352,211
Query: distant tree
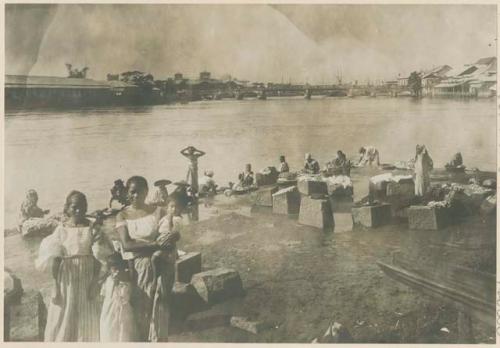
415,84
138,78
75,73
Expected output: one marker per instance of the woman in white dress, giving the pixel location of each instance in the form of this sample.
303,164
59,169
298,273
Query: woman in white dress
137,226
73,251
423,166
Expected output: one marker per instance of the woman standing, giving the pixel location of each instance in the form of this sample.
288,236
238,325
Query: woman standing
73,251
137,226
423,165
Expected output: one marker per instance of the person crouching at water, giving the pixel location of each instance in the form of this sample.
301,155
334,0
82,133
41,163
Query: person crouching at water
30,210
283,165
368,155
169,229
311,166
73,250
117,319
138,226
341,165
423,166
247,177
207,183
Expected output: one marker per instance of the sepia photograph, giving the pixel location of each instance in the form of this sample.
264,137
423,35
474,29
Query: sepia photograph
250,173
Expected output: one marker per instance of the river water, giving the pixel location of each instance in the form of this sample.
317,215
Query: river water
57,151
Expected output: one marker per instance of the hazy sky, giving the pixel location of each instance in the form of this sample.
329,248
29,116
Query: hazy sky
255,42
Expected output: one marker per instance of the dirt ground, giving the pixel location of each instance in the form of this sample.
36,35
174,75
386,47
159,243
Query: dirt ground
298,279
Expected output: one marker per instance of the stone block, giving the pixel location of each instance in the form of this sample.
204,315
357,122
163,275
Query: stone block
404,188
372,216
28,319
268,176
428,218
310,187
185,300
186,266
399,204
316,212
209,319
340,191
217,285
336,333
286,201
339,186
264,196
12,288
377,185
243,323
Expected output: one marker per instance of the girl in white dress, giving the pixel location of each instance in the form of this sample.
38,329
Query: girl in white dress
73,251
117,319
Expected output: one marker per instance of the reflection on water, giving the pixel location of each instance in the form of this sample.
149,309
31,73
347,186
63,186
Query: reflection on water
57,151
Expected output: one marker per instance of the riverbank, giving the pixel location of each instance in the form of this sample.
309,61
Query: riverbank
298,279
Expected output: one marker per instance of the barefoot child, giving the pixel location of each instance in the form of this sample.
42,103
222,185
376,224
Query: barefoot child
117,320
169,227
74,252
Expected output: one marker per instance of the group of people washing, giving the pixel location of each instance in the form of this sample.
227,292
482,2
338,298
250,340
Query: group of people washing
368,156
112,291
341,165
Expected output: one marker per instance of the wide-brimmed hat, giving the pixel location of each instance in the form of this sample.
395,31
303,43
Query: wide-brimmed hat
162,182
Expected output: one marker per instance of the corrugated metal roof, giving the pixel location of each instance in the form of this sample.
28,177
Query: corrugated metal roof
52,82
487,61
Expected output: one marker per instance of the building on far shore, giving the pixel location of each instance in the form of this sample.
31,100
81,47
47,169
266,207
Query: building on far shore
472,80
49,91
23,91
433,77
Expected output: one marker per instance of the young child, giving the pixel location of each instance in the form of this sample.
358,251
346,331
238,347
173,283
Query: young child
29,208
117,321
169,228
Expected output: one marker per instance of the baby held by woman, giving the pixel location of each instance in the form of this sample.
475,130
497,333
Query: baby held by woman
169,229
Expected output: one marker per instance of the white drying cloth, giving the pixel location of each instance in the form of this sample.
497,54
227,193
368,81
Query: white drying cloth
342,180
388,177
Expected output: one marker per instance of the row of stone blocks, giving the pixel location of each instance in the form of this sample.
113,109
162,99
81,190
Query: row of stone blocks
309,200
419,217
315,210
